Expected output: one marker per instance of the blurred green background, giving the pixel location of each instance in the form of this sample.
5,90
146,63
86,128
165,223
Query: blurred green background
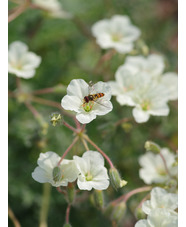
68,53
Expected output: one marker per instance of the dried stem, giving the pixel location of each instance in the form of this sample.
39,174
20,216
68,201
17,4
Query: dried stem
131,193
98,149
13,218
68,149
61,191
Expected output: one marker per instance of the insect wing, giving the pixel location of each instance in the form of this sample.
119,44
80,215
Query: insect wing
98,101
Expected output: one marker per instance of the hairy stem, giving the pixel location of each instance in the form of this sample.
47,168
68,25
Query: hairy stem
99,149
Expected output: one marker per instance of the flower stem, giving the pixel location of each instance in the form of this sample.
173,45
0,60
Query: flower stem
67,213
43,91
123,121
85,144
131,193
69,126
51,103
165,164
98,149
68,149
45,205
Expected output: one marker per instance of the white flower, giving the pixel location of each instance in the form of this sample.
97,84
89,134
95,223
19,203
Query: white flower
78,90
153,66
153,168
21,62
160,198
93,174
159,217
53,7
47,171
138,90
117,33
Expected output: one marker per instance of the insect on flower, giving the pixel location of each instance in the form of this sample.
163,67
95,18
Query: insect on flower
92,97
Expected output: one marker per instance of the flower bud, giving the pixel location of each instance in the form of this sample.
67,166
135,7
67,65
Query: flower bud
139,213
151,146
119,212
71,193
57,174
98,199
55,119
115,178
108,210
67,225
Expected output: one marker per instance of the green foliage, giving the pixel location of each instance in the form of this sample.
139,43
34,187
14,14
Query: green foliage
67,54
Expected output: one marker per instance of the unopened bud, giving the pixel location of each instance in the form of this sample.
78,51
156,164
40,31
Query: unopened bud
55,119
67,225
119,212
151,146
115,178
108,210
71,193
98,199
139,213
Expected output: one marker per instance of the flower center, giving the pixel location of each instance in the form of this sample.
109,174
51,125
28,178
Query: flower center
57,174
88,106
145,105
116,37
161,171
88,176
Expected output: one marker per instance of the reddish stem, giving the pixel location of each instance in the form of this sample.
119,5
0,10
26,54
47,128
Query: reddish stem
32,109
68,213
98,149
68,149
69,126
43,91
165,164
131,193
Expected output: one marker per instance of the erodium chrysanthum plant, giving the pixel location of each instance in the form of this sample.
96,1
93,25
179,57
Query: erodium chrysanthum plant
83,171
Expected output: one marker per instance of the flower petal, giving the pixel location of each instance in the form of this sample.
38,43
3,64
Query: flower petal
73,103
140,115
78,87
85,117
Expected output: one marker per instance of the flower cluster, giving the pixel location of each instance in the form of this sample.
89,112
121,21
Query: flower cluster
89,170
117,33
53,7
160,209
87,101
140,83
21,62
153,167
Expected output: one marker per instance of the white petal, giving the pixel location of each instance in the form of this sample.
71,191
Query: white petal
100,185
48,160
170,80
73,103
101,107
70,170
40,175
125,100
26,74
84,185
94,158
116,88
142,223
140,115
81,164
85,118
31,60
78,87
160,109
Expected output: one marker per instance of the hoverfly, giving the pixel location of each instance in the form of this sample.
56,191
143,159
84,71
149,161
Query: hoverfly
92,97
